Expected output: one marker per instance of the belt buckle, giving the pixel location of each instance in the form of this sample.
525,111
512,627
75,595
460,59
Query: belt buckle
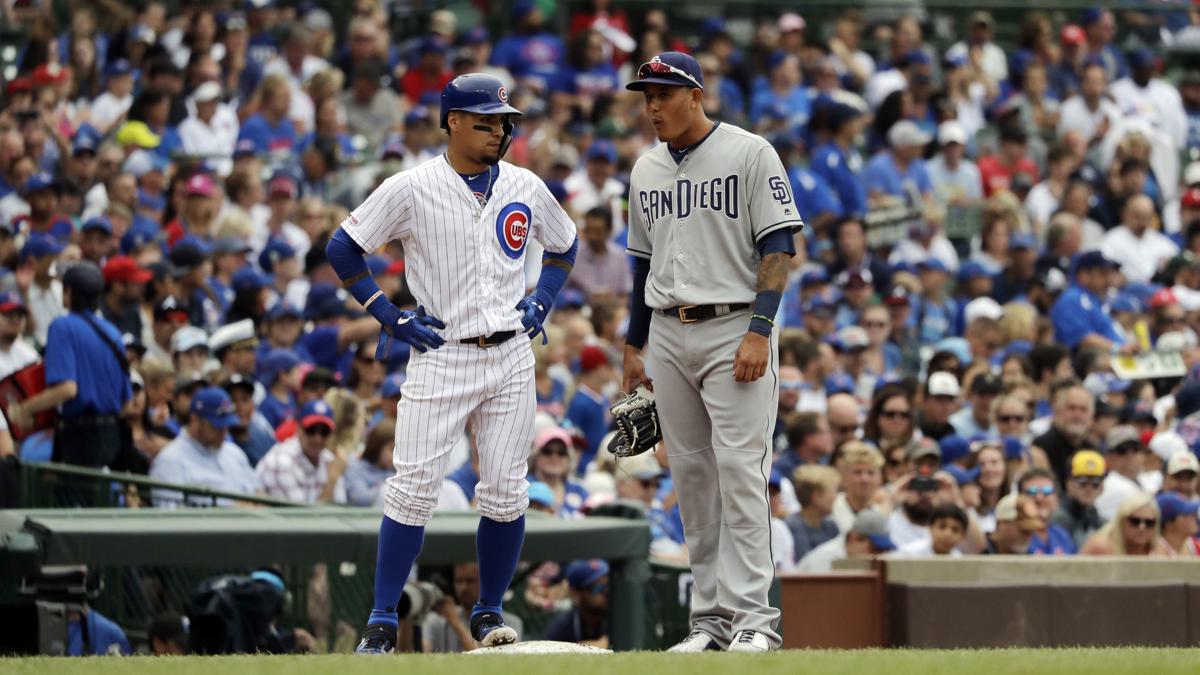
683,317
483,343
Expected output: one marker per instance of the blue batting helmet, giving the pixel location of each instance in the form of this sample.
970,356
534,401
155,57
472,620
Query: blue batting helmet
481,94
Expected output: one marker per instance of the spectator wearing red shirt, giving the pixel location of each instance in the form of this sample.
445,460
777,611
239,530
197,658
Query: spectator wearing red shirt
430,73
997,171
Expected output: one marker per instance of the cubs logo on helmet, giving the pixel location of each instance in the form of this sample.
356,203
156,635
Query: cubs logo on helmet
512,229
502,94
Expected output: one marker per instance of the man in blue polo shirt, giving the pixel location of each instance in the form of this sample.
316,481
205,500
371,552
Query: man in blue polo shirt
1079,317
87,379
900,172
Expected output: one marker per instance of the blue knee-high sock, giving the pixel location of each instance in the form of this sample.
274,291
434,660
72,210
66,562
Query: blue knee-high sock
399,546
498,546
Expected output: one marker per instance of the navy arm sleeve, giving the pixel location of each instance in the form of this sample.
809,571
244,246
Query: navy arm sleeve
639,312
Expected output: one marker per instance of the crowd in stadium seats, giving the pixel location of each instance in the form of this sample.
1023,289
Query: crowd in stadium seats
988,344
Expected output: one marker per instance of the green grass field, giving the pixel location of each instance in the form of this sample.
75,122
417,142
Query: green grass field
1058,662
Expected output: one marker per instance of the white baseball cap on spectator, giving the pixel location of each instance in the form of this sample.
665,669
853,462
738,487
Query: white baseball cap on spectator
1175,340
942,383
1183,461
905,134
1006,508
209,91
1166,444
1191,175
984,307
951,131
791,21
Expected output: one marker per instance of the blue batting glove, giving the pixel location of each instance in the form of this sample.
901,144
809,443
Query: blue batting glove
415,328
533,313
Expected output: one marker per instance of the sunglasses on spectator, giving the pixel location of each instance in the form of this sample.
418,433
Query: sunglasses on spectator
1142,523
1088,482
554,452
893,463
599,588
791,386
1125,449
1045,490
319,430
649,483
843,429
895,414
1010,419
659,68
875,324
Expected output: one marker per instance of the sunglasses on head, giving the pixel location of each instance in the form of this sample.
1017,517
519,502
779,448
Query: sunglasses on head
1088,482
1142,523
659,68
895,414
1010,419
1045,490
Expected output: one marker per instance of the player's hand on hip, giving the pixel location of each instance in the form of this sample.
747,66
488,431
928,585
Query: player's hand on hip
415,328
751,360
635,371
533,313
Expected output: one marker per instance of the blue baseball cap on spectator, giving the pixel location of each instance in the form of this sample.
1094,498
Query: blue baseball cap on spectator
101,223
570,298
476,36
378,265
248,280
839,383
582,574
776,479
245,148
971,270
317,412
213,405
954,447
601,149
914,57
1014,448
392,385
277,362
822,304
418,114
39,245
1126,302
1092,260
814,278
1022,240
83,142
1090,16
957,346
38,182
1172,505
283,309
962,476
141,232
393,147
276,251
324,301
932,264
671,68
775,59
118,67
11,302
540,493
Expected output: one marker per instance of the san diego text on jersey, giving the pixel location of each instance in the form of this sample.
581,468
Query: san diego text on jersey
715,194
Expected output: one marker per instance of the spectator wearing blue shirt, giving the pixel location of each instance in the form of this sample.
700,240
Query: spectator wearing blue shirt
103,636
531,53
591,74
899,171
932,314
365,474
588,409
1189,91
203,454
838,162
253,433
1039,485
783,90
1079,316
270,129
553,451
1101,28
816,202
328,343
87,380
281,377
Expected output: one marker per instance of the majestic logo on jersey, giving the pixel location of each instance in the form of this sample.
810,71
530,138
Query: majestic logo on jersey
715,194
512,227
502,94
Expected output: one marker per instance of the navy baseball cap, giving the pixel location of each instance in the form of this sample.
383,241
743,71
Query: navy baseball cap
392,385
248,280
962,476
839,383
188,253
317,412
671,68
1092,260
141,232
283,309
83,142
101,223
582,574
277,362
38,182
324,300
814,278
603,150
39,245
954,447
276,250
213,405
1172,505
971,270
118,67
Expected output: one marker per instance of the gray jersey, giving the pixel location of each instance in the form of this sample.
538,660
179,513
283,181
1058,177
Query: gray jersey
698,221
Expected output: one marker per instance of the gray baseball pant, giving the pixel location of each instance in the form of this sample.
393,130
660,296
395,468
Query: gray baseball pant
718,435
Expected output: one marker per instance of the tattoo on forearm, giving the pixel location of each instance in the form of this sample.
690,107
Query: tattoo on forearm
773,272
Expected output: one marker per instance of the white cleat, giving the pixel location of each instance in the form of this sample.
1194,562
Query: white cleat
696,642
499,636
749,641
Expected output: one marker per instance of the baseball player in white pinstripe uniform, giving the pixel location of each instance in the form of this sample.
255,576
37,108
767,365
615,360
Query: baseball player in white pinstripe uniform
463,219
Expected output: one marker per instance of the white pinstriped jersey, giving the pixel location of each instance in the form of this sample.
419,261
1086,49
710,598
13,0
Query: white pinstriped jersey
463,262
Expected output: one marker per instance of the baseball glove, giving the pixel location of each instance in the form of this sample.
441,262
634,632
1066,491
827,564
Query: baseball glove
637,424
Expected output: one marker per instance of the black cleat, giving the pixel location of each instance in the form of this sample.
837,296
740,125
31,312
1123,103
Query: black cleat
377,640
489,630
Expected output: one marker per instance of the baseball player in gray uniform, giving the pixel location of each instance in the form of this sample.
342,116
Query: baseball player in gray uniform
711,225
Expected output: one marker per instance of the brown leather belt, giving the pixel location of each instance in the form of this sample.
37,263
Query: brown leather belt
694,313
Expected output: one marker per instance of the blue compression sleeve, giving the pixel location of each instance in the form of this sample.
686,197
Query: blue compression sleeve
639,312
399,546
766,303
346,258
555,268
779,241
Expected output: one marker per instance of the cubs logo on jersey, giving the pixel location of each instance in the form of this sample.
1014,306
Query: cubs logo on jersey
512,229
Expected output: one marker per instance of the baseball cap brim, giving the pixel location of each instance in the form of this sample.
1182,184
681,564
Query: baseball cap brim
223,421
639,85
882,542
313,420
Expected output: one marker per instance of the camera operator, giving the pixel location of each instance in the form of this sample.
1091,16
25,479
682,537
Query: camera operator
90,633
445,629
915,495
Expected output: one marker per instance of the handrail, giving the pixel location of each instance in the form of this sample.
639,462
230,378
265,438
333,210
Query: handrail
140,481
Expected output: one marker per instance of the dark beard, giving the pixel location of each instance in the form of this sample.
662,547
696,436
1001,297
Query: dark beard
918,512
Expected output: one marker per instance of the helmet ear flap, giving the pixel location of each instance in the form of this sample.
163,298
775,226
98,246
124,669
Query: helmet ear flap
509,127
